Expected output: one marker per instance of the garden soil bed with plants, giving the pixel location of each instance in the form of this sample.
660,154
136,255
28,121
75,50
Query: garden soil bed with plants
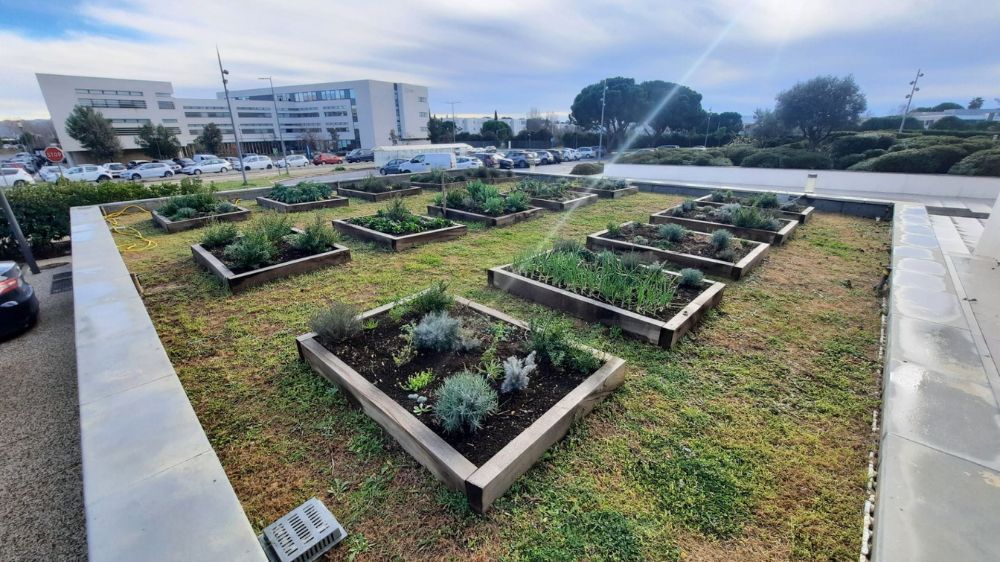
693,250
686,307
570,200
437,186
797,211
502,220
290,261
327,203
608,193
380,196
170,226
484,464
401,241
772,237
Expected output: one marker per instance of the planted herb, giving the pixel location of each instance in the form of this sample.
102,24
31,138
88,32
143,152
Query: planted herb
397,220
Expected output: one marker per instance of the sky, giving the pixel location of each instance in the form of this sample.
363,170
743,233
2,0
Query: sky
512,56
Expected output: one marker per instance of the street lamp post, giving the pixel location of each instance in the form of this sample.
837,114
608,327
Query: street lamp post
909,99
707,125
232,116
600,130
454,125
277,120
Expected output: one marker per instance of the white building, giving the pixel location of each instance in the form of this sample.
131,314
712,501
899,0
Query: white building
360,113
928,118
468,124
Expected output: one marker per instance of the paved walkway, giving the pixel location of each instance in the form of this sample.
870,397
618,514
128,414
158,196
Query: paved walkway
41,494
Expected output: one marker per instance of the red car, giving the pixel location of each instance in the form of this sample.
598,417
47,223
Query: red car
323,158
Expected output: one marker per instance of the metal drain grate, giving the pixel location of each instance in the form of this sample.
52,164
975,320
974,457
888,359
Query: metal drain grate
303,535
62,282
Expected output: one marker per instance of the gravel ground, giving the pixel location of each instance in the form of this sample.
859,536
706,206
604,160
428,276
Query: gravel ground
41,491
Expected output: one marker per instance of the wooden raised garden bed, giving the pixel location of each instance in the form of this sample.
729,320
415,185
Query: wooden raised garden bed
578,200
378,197
437,186
609,193
659,332
714,266
300,207
403,241
775,238
486,481
502,220
177,226
802,216
237,282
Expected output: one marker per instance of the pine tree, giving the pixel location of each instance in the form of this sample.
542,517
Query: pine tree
94,132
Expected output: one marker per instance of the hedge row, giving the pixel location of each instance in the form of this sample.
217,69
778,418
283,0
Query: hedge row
42,209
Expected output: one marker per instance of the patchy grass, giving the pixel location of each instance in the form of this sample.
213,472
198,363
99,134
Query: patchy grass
748,441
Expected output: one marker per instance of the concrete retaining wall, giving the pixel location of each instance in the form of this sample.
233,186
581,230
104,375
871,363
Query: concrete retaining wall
153,487
934,185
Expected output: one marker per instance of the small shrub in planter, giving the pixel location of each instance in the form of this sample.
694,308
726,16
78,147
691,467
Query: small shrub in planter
302,192
691,277
485,199
338,323
587,169
183,207
266,241
463,402
517,373
396,219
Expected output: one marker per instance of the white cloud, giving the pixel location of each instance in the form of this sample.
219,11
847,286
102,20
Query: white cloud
514,49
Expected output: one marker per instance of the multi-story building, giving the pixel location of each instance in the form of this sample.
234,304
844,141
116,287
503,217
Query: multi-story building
972,116
326,116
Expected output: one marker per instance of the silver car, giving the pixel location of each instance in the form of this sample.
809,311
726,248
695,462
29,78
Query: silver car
215,165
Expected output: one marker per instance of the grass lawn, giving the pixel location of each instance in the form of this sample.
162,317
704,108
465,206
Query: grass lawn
748,441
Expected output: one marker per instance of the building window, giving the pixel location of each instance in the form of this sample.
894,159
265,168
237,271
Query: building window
423,114
108,92
334,114
130,121
206,114
163,94
257,114
257,131
166,104
297,115
169,120
113,103
422,99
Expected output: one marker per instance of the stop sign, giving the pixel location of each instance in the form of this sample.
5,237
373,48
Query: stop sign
54,154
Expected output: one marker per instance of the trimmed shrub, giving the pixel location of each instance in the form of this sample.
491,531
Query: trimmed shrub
858,144
463,402
783,157
848,160
338,323
691,277
982,163
721,239
672,232
737,152
587,169
930,160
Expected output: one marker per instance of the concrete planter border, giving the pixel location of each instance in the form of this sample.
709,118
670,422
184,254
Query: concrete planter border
379,197
803,217
502,220
610,193
664,334
735,271
333,201
558,206
180,226
481,484
239,282
756,234
401,242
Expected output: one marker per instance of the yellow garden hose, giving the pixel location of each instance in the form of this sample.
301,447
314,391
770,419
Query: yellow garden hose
141,243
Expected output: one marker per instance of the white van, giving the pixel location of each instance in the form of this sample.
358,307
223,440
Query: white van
427,162
200,157
257,162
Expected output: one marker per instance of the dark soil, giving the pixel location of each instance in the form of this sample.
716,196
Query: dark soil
371,353
694,243
286,252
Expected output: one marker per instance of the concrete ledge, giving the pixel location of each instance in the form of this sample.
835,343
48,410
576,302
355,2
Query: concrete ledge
153,487
938,492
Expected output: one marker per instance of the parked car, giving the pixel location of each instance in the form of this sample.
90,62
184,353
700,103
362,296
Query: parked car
327,158
569,155
429,161
23,160
217,165
174,166
234,162
502,161
522,158
544,157
151,170
87,172
200,157
51,173
392,166
115,169
15,177
294,161
184,162
586,152
467,162
361,155
487,158
18,303
136,163
669,146
257,162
